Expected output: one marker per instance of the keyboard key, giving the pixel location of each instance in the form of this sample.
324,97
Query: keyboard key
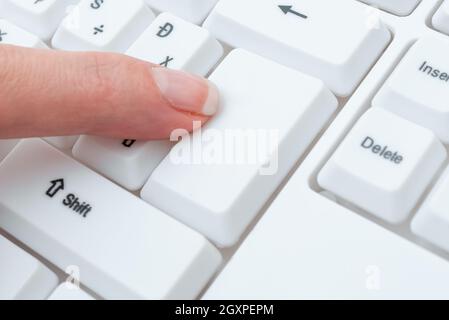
432,220
39,17
68,291
103,26
192,10
397,7
418,89
127,162
307,247
218,180
11,34
441,18
22,277
308,35
123,248
177,44
384,165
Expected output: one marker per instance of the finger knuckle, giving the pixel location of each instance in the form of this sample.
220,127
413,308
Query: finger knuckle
104,71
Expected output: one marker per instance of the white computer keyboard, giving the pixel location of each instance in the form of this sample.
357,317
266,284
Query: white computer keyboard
345,196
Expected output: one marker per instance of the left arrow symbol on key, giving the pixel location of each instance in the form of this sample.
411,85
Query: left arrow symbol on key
56,186
289,9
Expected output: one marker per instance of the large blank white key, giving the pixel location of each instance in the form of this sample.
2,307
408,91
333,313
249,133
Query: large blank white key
192,10
41,17
308,35
306,247
103,25
22,276
123,247
12,34
441,18
68,291
398,7
177,44
432,220
127,162
217,181
384,165
419,87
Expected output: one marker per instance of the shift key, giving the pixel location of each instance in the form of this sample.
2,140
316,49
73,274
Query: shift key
78,220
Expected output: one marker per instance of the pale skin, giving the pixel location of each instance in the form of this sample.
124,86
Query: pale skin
54,93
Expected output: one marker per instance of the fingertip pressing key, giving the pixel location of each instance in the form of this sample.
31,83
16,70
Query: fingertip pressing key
184,91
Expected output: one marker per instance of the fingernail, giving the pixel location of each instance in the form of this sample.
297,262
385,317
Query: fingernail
187,92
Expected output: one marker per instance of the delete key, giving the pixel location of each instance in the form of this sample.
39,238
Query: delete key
384,165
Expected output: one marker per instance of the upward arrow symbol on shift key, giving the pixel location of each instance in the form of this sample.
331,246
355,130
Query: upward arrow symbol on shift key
56,186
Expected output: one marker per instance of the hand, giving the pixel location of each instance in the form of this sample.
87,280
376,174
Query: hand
53,93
